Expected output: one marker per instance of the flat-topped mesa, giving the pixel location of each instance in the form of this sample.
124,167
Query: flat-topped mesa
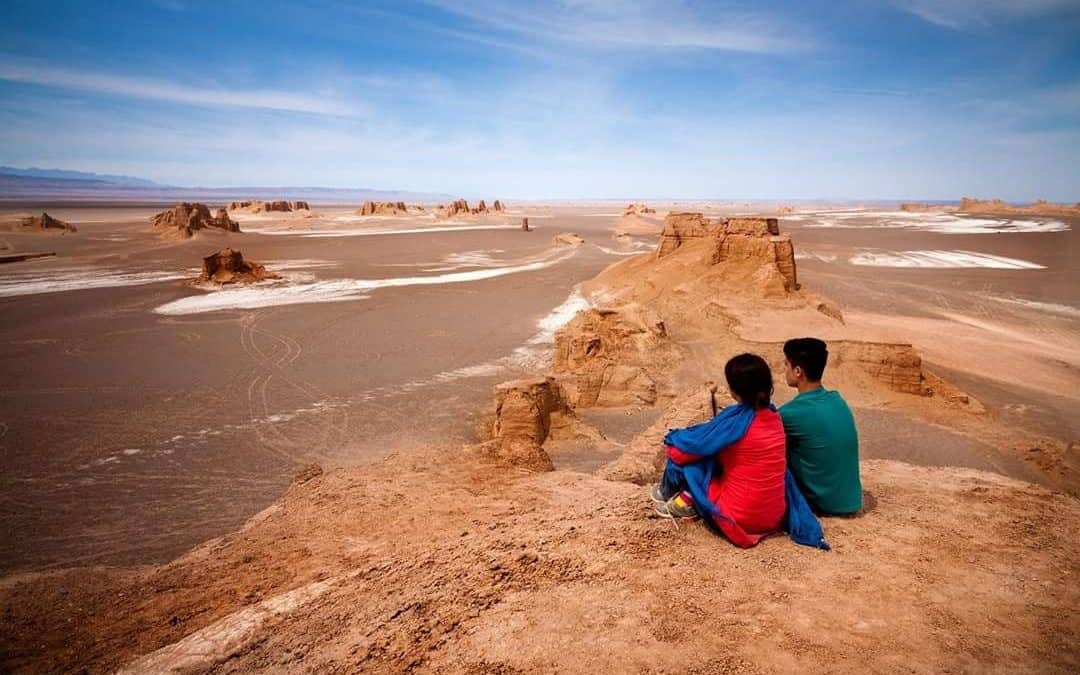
46,223
735,239
897,365
229,267
523,410
259,206
637,209
370,208
186,218
616,356
679,227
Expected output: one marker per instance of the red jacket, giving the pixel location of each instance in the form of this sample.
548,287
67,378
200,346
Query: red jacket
748,481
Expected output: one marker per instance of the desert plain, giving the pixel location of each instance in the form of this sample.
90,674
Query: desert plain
423,446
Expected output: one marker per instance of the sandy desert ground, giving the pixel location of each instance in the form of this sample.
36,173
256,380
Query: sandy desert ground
141,417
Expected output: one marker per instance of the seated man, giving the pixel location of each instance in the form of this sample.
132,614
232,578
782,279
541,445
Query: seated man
822,444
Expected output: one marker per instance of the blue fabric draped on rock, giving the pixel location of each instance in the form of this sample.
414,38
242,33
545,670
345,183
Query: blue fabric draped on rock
706,440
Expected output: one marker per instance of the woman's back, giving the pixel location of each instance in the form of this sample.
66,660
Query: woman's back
750,486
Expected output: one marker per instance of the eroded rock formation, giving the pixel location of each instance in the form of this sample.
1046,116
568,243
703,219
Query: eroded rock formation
1038,208
523,410
897,365
370,208
229,267
525,225
277,205
637,209
187,218
498,207
42,223
916,207
616,356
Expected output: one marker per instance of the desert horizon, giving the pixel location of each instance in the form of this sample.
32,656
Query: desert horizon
475,420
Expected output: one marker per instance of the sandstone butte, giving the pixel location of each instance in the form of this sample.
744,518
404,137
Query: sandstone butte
185,219
460,207
637,209
229,267
277,205
370,208
489,558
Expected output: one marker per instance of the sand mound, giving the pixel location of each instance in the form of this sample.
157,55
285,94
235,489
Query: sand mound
567,239
997,206
229,267
27,224
278,205
186,218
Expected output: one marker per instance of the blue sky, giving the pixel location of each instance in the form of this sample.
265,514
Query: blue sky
573,99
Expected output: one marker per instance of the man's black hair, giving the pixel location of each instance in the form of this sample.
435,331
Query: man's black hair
808,353
749,378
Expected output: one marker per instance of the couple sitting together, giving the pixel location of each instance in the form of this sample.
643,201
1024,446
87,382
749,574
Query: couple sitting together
753,470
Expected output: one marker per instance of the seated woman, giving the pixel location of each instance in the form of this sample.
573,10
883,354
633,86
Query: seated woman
730,470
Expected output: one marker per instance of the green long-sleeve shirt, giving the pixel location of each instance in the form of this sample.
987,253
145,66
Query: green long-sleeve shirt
823,450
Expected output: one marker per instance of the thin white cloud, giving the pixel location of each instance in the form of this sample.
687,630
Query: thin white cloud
164,90
969,14
648,25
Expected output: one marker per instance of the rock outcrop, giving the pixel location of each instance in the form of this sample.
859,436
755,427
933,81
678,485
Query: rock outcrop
737,239
187,218
460,207
370,208
915,207
498,207
567,239
277,205
525,225
523,410
637,209
229,267
678,228
616,356
43,223
1038,208
897,365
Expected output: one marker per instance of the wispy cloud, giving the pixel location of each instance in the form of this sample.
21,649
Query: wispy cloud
165,90
650,24
971,14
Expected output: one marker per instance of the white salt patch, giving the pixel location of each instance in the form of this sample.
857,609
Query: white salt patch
942,260
811,255
931,221
334,290
131,451
1051,307
75,279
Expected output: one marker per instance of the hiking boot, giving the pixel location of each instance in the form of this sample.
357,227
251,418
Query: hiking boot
679,506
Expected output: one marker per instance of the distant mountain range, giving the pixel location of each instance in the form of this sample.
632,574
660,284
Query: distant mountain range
35,184
64,174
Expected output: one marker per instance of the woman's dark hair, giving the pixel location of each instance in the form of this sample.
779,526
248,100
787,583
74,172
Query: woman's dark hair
749,378
808,353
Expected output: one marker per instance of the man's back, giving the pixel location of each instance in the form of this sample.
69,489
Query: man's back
823,450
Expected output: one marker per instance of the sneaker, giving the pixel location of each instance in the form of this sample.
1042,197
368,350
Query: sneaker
657,494
679,506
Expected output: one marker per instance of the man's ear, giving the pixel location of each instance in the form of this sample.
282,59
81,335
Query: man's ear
799,372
